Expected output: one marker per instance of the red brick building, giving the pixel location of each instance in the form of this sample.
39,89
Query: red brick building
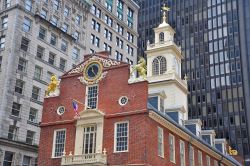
100,115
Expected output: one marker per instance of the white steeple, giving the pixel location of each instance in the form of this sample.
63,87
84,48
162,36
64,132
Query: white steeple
164,68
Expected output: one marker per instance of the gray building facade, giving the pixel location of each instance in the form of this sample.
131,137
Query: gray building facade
215,39
38,38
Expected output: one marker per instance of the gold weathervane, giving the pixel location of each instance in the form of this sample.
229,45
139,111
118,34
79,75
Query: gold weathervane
165,9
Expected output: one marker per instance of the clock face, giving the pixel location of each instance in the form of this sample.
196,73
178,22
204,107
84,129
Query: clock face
93,71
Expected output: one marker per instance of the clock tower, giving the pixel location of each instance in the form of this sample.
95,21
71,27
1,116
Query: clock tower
166,87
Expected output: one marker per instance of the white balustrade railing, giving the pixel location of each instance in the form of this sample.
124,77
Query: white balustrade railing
95,158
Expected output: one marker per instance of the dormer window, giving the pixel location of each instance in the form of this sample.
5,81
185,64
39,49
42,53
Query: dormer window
161,37
159,65
157,100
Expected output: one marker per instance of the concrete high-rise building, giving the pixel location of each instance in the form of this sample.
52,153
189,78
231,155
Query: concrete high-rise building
112,26
215,39
37,39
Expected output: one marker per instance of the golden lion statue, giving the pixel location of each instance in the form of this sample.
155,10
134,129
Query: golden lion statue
53,85
141,68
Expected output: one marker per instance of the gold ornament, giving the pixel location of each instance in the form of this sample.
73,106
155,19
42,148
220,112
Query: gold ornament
53,86
141,68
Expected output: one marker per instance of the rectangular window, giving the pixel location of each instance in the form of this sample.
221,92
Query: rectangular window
76,35
59,142
75,54
22,63
40,52
43,13
16,108
53,39
42,33
4,22
66,11
160,142
191,156
172,148
78,19
89,140
121,137
92,96
2,42
199,158
7,3
24,44
26,24
35,93
52,58
1,59
65,27
54,20
30,137
19,86
208,160
56,4
182,153
33,115
26,161
130,14
28,5
109,5
38,73
13,133
62,64
64,45
8,158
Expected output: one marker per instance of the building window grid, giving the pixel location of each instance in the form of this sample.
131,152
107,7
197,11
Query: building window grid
78,20
26,161
59,142
7,3
199,158
16,109
22,63
64,45
19,86
92,97
160,142
66,11
56,4
2,42
42,33
109,5
75,53
13,133
35,93
8,158
24,44
191,156
89,140
62,64
33,115
38,73
54,20
26,24
53,39
28,5
76,35
52,58
43,13
30,137
182,153
40,52
159,65
121,137
4,21
172,148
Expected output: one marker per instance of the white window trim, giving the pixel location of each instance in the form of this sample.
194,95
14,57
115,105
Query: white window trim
182,142
191,147
54,139
115,129
162,141
200,155
171,135
208,160
86,96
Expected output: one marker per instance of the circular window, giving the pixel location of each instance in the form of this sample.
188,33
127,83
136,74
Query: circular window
123,100
60,110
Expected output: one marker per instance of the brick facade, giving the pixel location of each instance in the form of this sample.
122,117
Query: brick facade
142,130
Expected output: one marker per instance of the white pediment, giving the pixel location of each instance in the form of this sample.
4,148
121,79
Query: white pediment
90,116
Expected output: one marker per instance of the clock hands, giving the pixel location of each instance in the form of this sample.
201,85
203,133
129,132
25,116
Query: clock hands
93,71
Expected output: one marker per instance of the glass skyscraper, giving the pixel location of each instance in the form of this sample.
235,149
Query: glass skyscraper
215,39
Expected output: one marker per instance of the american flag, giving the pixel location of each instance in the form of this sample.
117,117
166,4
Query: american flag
75,107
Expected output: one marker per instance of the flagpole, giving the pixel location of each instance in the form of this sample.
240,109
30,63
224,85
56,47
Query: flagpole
78,101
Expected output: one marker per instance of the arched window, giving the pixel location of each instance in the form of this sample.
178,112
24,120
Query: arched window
161,37
159,65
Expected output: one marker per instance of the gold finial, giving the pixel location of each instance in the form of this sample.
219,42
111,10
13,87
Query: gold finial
165,9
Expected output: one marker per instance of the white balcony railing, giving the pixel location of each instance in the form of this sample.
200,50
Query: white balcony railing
96,159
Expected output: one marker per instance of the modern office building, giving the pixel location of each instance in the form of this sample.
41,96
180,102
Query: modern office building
112,26
214,37
37,39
